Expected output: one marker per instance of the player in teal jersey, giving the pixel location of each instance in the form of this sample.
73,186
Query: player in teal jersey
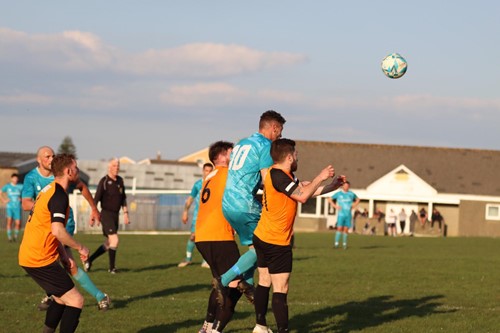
34,182
344,201
13,208
250,159
194,197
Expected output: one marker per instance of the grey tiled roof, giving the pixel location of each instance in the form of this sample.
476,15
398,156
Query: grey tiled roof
448,170
12,160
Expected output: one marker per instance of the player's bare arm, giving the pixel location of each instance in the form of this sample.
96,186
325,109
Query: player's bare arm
335,184
27,203
94,214
187,205
59,232
302,193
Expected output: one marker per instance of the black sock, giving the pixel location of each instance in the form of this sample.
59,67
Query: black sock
212,307
280,310
70,319
54,314
261,298
100,251
225,314
112,257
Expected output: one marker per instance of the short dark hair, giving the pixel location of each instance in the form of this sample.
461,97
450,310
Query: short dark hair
207,165
270,116
281,148
14,175
60,162
218,148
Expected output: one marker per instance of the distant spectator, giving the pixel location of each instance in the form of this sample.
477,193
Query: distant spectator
390,220
402,220
423,216
379,215
413,220
437,217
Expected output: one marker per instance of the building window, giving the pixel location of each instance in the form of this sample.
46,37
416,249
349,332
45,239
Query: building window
493,212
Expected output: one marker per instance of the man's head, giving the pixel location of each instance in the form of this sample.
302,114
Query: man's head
271,124
113,167
14,178
283,152
346,186
44,156
207,168
219,153
64,165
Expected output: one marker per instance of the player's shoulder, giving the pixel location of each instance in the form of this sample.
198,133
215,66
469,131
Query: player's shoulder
30,175
256,139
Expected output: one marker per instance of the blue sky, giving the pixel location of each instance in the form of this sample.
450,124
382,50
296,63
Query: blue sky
136,77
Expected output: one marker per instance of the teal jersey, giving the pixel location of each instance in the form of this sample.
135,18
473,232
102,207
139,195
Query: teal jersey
34,182
195,193
248,157
14,194
345,201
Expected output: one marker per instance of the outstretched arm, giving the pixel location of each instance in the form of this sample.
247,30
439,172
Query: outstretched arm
304,192
94,214
335,184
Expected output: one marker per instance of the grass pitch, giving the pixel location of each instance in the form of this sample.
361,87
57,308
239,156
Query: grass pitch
380,284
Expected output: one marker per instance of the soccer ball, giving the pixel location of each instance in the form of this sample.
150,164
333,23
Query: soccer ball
394,66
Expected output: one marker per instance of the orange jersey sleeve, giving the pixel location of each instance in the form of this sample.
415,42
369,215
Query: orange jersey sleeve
278,209
211,225
39,247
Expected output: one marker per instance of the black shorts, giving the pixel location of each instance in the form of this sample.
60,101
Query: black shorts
277,258
52,278
220,255
109,221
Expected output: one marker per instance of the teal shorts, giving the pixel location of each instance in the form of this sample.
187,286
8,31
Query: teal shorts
344,221
13,212
244,224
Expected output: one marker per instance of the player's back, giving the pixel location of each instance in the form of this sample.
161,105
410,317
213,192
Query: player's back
248,157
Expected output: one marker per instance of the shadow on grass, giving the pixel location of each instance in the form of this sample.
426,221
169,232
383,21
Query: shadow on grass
173,327
153,268
122,303
356,316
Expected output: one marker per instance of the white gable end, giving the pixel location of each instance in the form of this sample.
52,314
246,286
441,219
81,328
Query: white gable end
401,182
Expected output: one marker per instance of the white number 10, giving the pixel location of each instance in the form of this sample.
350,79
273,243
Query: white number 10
240,154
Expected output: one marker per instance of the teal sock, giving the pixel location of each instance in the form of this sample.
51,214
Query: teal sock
189,250
87,284
9,234
337,237
344,239
246,262
16,233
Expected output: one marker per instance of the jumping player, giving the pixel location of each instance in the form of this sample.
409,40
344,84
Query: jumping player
282,191
250,160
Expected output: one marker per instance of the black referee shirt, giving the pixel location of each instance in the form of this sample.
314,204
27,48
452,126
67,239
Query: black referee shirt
111,194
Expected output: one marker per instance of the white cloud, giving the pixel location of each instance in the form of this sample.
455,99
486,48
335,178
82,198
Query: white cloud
82,51
203,94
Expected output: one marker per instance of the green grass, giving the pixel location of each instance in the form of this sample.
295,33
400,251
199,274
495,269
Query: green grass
379,284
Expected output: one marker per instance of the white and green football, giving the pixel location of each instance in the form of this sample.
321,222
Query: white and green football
394,66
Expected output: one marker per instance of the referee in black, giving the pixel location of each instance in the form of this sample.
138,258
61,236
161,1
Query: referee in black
111,193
